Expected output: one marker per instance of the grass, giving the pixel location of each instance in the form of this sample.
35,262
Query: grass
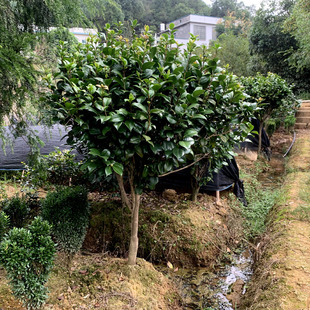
260,202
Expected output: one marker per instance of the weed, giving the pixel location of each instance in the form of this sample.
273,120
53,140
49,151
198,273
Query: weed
302,213
260,201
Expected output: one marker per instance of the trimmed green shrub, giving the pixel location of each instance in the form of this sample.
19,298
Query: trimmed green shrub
4,224
27,255
17,209
67,210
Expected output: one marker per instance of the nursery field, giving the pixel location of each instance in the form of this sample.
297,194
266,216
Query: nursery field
177,235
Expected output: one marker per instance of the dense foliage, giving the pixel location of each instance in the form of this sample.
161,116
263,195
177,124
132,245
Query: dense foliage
272,47
67,210
4,224
299,26
16,209
58,167
273,94
27,256
142,110
234,52
21,24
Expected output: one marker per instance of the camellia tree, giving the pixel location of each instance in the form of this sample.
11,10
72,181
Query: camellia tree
141,110
273,95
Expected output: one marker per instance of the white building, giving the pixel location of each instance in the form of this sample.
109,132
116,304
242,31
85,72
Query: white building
82,34
201,26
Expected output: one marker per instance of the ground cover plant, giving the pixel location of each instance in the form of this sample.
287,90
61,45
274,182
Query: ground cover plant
141,110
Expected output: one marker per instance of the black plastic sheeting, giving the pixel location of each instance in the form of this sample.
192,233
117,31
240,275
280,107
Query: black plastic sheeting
52,137
227,177
252,145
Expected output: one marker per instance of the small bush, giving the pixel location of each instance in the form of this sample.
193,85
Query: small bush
289,122
4,224
17,209
58,167
67,210
27,255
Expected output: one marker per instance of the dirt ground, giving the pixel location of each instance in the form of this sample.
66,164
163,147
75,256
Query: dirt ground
282,276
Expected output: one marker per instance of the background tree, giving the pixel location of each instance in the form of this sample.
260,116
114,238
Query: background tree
298,24
222,8
272,48
234,51
20,23
105,11
165,11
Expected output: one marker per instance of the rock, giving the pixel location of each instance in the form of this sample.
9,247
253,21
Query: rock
170,194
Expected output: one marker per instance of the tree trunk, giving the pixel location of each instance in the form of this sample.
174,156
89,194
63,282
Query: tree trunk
124,197
195,188
134,241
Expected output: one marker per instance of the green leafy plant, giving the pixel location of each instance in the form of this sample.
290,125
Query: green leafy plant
141,110
58,167
4,224
275,98
17,209
27,256
67,210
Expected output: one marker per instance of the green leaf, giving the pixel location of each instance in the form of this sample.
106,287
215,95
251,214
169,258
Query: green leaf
116,118
94,152
107,101
91,88
148,65
105,130
170,119
140,106
108,170
178,153
148,139
186,144
190,133
104,118
135,140
130,124
198,91
156,87
118,168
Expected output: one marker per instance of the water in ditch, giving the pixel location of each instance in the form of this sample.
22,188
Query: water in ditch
217,290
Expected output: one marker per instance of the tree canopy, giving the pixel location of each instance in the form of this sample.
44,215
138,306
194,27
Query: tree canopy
273,47
141,110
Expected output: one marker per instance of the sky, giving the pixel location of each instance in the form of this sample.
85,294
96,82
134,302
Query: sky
256,3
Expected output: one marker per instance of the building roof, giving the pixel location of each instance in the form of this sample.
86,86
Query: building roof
192,18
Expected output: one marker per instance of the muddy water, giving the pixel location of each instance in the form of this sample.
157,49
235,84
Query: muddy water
220,289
